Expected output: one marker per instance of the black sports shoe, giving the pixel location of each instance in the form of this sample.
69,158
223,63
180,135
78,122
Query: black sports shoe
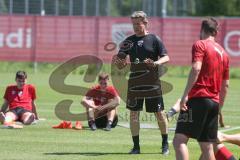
165,150
93,126
134,151
108,127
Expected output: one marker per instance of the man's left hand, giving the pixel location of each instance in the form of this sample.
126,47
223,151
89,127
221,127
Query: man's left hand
149,62
183,105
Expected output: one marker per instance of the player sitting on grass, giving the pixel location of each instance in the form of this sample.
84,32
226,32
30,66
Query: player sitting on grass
19,103
101,102
230,138
221,152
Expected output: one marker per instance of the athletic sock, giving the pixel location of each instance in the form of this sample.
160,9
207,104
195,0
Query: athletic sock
172,112
91,122
224,154
110,122
164,138
136,142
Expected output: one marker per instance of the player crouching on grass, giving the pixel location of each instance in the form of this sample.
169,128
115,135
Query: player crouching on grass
101,102
19,99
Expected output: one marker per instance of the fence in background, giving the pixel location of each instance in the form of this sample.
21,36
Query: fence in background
97,7
58,38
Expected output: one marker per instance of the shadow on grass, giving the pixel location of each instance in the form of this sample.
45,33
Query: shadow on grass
91,153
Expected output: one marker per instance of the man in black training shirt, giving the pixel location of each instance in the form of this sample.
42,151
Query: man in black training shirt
147,54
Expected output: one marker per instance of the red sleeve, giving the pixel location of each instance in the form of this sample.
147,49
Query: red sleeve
226,68
113,91
6,93
90,93
198,51
33,92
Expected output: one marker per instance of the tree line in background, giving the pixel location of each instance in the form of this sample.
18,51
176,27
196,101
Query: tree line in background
217,8
123,7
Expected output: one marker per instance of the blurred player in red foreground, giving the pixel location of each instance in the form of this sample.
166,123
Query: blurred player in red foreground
19,103
204,93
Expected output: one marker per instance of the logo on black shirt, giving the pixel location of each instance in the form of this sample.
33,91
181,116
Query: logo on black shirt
140,43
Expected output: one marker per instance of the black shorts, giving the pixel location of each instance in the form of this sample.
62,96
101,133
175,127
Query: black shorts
19,111
200,121
101,122
153,104
148,89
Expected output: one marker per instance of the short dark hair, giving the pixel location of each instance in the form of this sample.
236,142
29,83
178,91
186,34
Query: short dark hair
102,76
210,26
140,14
21,75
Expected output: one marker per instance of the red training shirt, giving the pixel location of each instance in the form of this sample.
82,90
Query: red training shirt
215,69
102,97
20,97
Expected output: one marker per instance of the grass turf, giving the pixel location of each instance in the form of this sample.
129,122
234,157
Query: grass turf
42,142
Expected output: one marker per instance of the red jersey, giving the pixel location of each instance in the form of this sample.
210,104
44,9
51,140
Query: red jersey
102,97
215,69
20,97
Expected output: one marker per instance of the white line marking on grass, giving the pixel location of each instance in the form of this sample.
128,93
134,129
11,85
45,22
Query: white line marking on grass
143,125
229,129
151,126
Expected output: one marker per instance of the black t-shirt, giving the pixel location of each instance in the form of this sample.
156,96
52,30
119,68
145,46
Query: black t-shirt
141,48
138,49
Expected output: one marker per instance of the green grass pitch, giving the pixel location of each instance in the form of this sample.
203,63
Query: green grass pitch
41,142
